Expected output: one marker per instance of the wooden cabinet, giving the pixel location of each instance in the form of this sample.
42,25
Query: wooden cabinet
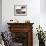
22,33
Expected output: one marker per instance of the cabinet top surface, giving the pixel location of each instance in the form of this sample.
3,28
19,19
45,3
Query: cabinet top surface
19,23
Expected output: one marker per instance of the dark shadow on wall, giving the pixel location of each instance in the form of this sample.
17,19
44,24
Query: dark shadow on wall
0,15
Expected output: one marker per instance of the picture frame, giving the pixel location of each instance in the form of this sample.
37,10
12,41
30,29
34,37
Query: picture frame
20,10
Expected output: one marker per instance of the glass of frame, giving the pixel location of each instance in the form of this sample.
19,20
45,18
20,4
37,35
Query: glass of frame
20,10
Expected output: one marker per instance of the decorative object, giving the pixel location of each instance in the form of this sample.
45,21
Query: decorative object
13,21
27,21
20,10
41,36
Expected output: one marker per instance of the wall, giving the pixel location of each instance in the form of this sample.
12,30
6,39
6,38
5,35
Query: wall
43,14
0,15
43,6
35,14
33,10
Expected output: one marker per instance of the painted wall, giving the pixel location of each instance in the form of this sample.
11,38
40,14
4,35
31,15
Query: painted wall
34,14
43,6
0,15
43,14
33,11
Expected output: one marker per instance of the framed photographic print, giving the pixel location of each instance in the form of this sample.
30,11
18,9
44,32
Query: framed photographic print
20,10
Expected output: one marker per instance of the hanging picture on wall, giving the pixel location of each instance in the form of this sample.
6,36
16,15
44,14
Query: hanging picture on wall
20,10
